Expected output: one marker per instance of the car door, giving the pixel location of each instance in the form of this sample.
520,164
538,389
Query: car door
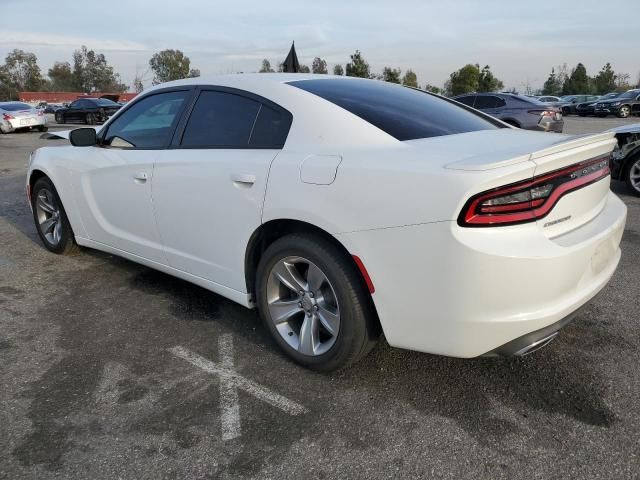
489,104
208,195
114,183
72,114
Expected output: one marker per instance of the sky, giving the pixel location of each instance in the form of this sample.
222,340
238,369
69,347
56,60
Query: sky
520,40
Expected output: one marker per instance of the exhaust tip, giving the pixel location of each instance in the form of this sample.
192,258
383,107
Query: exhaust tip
537,345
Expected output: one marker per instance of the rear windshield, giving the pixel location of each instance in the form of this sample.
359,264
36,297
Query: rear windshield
15,107
402,112
105,102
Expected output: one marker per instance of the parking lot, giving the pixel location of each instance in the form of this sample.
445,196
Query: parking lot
112,370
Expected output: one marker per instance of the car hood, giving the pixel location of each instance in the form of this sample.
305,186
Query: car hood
633,128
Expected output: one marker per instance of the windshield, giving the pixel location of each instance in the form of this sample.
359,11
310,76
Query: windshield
610,95
402,112
15,107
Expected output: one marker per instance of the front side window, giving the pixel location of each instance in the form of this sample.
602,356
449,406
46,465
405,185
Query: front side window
402,112
148,123
75,104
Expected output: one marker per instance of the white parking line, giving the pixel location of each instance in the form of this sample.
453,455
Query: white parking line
230,381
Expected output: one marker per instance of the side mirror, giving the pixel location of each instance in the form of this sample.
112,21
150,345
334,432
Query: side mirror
83,137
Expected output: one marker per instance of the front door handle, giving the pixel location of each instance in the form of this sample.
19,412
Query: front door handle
140,177
245,179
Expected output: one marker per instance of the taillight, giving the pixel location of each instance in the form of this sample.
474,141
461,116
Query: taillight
40,113
530,200
543,113
6,116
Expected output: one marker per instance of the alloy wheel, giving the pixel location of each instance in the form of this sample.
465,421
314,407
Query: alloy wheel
624,111
634,175
303,305
49,217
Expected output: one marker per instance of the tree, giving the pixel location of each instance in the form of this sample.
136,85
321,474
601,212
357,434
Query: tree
391,75
20,73
61,77
487,82
266,67
92,73
358,67
605,80
578,81
304,69
433,89
552,86
338,70
464,80
169,65
622,82
410,79
319,65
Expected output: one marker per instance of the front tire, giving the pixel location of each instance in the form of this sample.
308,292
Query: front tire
43,128
624,111
314,303
51,219
59,118
632,175
90,119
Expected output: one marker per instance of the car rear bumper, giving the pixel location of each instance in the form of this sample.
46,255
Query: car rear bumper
466,292
555,126
22,122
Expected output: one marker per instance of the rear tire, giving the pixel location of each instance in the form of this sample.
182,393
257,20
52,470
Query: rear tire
632,174
322,292
51,219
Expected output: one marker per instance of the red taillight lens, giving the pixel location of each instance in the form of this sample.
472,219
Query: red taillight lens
6,116
40,113
530,200
543,113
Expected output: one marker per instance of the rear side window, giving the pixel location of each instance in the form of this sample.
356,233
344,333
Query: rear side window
468,100
488,101
402,112
220,119
227,120
148,123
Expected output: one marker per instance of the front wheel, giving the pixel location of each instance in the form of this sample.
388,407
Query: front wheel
90,119
624,111
633,175
59,118
51,219
314,303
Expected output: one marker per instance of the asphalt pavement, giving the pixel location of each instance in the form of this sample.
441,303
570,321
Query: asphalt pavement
109,370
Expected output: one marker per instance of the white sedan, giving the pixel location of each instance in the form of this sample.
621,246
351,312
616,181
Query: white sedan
17,116
343,208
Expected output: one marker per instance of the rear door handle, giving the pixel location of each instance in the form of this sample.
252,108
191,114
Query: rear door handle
141,177
244,178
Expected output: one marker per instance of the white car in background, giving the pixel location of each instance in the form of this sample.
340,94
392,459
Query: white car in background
343,208
17,115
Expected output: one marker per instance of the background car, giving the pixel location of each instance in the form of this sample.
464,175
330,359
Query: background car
624,105
548,99
568,103
87,110
517,110
587,108
18,115
625,159
52,108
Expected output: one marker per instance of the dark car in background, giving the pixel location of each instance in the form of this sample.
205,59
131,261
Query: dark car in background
548,99
568,103
624,105
87,110
52,108
517,110
625,159
587,108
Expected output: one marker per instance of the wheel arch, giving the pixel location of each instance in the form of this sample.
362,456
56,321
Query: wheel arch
270,231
